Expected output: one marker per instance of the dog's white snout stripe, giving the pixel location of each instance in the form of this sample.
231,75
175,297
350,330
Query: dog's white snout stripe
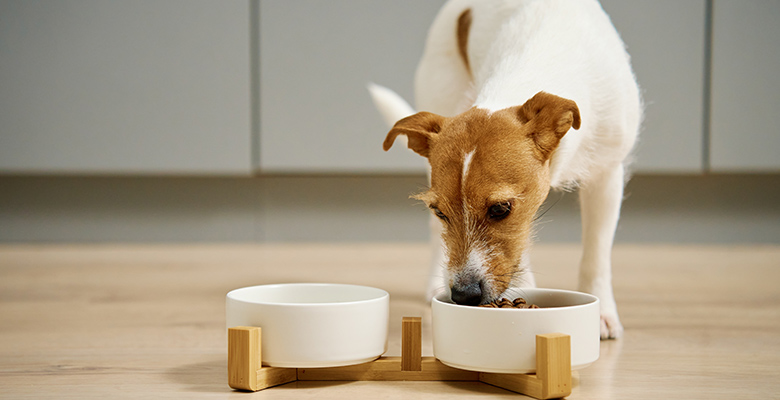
464,174
466,165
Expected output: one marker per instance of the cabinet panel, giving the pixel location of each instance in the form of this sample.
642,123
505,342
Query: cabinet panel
143,86
745,86
316,58
666,40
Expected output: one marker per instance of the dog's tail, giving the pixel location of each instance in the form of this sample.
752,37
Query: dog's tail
390,104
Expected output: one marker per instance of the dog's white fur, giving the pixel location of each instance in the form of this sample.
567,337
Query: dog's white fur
517,48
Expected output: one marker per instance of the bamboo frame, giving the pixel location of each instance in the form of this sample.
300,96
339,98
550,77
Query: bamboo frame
553,378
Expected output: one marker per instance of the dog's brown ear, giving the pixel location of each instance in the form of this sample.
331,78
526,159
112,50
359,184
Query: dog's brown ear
421,129
550,117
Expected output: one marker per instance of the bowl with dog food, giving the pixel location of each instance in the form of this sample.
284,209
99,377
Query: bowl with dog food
310,325
501,337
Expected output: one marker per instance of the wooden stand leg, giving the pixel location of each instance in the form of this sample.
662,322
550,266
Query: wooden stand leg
553,364
411,344
243,357
553,370
245,370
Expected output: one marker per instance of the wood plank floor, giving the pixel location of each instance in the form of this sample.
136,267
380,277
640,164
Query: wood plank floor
132,321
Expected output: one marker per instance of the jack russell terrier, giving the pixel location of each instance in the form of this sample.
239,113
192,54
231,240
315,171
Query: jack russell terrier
502,83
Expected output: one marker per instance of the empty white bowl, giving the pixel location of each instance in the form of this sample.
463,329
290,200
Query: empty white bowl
504,340
308,325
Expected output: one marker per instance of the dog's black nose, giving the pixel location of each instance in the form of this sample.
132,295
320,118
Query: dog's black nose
468,295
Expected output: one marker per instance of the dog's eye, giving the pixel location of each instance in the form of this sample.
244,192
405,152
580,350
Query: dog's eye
499,211
439,214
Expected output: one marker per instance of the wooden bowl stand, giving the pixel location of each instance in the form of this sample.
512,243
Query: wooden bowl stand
553,377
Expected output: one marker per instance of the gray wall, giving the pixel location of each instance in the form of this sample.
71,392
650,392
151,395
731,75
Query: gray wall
671,209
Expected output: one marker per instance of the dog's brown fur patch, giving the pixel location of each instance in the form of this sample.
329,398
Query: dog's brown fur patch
464,26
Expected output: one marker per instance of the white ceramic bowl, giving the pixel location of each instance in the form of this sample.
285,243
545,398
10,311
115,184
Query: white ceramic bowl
504,340
308,325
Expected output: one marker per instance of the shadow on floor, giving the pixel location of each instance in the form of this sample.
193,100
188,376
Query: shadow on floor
204,377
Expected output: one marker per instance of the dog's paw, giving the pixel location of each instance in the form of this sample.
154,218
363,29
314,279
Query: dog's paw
611,328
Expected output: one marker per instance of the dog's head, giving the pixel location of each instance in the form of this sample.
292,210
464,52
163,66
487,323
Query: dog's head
489,176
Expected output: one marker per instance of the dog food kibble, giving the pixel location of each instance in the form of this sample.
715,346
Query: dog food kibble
506,303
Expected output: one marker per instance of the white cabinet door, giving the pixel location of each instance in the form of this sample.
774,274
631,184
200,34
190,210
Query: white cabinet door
745,86
666,40
316,58
142,86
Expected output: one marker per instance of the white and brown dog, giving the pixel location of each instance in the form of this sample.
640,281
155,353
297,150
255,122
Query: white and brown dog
502,82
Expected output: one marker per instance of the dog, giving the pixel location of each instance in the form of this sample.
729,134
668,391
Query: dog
520,97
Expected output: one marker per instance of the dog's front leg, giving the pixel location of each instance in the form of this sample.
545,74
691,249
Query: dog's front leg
600,200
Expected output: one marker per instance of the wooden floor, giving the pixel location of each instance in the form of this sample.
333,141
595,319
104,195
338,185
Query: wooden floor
148,321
